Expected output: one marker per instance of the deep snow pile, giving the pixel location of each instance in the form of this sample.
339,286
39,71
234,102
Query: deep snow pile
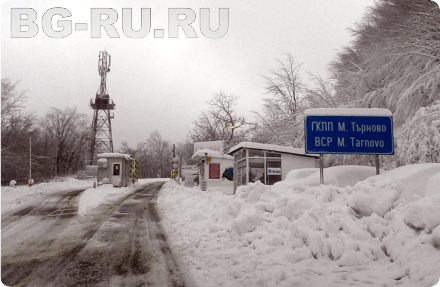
13,197
382,231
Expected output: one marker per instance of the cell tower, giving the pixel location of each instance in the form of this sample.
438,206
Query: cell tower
101,133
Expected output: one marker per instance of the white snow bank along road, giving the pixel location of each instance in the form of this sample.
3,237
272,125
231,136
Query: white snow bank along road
94,197
13,197
290,234
106,193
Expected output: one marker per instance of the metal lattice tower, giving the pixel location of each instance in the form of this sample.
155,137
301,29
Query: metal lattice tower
101,133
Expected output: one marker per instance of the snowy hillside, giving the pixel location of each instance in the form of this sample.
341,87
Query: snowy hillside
381,231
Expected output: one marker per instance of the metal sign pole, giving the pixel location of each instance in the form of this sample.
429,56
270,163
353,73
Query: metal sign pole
321,169
377,164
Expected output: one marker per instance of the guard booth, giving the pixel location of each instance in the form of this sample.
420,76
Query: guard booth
266,162
115,167
211,166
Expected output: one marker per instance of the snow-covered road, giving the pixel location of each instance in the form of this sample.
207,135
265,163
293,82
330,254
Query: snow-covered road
118,243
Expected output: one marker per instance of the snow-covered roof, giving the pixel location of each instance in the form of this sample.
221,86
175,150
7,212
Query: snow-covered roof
372,112
270,147
115,155
211,153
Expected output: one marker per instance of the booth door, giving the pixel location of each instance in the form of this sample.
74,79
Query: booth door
116,177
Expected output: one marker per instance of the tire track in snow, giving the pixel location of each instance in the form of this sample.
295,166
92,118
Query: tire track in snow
124,246
43,267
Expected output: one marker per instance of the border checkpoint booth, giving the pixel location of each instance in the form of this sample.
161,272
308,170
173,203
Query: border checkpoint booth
212,163
115,167
267,163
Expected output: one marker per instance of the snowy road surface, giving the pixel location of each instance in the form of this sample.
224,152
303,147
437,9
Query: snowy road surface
119,244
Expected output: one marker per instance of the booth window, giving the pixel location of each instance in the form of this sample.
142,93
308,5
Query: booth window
116,169
273,167
256,153
258,165
256,169
273,154
243,172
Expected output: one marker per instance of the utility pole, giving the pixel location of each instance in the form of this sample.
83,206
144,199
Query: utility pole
31,181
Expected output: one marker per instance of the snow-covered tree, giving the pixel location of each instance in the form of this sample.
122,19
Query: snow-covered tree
418,140
409,63
221,122
281,121
394,59
394,62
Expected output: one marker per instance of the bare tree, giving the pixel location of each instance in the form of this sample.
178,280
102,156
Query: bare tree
281,120
66,138
16,129
16,123
126,149
285,86
160,154
221,121
153,155
17,126
12,101
321,94
186,151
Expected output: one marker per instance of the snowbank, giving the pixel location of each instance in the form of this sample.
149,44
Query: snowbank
337,175
13,197
369,233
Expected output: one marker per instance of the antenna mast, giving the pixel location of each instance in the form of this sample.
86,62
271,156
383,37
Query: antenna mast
101,130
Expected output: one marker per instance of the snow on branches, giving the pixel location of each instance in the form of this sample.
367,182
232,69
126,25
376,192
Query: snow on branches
418,140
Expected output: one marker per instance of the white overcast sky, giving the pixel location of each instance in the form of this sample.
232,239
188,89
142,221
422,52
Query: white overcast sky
164,84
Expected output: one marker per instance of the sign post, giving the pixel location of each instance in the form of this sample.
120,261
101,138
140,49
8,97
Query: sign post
321,169
348,131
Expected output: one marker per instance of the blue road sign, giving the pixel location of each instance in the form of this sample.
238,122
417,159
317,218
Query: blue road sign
349,134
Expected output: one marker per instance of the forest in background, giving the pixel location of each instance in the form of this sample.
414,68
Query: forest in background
393,61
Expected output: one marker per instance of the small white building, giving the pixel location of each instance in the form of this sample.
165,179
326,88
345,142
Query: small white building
211,166
115,167
266,162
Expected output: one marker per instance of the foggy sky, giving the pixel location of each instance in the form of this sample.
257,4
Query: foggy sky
164,84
